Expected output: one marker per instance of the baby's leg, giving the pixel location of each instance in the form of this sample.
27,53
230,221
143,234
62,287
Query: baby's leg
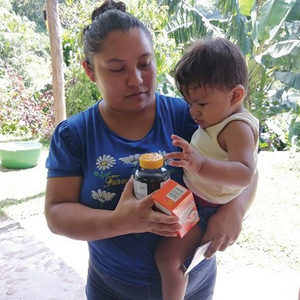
170,255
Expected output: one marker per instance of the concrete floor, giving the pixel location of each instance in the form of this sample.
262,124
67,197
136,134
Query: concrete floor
38,265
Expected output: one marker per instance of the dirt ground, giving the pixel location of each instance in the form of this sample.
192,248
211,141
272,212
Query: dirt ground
263,264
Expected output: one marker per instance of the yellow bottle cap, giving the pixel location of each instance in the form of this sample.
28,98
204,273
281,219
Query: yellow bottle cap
151,160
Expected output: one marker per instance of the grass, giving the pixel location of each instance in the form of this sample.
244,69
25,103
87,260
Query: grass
4,204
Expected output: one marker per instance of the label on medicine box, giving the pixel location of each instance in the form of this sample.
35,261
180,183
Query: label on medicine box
174,199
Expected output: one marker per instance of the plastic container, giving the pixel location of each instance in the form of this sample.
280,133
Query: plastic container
20,155
150,176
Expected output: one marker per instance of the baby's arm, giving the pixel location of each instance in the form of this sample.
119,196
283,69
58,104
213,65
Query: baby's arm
238,140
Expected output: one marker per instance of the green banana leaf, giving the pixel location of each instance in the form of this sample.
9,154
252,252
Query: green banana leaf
285,53
294,14
245,6
272,14
188,24
290,78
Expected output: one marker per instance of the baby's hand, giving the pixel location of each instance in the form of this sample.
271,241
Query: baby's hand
188,159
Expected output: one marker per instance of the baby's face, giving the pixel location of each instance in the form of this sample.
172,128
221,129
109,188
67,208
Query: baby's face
210,106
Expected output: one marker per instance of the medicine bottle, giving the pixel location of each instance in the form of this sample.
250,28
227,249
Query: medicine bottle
150,176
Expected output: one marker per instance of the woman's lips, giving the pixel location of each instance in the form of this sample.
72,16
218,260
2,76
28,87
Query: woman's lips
136,95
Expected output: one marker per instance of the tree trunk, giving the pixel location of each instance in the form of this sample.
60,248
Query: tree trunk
57,60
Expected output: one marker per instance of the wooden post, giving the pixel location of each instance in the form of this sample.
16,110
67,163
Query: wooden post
57,60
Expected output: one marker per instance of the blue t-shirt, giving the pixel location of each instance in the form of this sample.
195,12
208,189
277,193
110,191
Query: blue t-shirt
84,146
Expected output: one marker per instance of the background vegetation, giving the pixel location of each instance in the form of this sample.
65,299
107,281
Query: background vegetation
268,32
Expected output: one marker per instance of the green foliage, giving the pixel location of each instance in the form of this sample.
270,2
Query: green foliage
6,4
267,31
268,34
23,112
187,23
22,49
274,59
25,106
245,7
80,92
33,10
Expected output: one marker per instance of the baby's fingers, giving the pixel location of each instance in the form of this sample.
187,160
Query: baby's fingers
182,144
177,159
174,155
175,137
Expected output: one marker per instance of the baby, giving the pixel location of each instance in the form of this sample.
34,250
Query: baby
220,160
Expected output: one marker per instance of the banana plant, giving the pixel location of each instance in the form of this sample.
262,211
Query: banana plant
275,58
187,23
268,33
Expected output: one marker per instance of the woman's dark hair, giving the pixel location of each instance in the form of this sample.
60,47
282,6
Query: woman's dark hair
213,62
109,17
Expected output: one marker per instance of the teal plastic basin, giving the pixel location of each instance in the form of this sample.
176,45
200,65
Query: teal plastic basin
20,155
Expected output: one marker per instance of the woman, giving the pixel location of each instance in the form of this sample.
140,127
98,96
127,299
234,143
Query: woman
93,154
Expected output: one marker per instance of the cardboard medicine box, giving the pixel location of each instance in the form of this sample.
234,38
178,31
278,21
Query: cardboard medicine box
174,199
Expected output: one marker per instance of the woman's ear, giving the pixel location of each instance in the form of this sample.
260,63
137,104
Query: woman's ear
238,94
89,70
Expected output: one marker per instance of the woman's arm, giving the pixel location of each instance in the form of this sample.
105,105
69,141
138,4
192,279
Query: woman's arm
66,216
225,225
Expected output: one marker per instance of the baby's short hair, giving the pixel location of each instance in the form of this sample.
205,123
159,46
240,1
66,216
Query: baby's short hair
213,62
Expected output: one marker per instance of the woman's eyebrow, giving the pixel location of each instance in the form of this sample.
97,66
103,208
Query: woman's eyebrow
146,54
119,60
112,60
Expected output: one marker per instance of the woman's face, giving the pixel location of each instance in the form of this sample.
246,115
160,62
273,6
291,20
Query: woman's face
125,70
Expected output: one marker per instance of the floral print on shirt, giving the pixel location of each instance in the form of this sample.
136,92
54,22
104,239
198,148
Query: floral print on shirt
104,163
102,196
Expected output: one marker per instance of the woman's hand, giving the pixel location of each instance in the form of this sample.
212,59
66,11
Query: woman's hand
225,225
188,159
67,216
223,230
137,216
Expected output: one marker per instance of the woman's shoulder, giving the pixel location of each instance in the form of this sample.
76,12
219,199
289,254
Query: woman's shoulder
170,100
76,126
171,105
84,117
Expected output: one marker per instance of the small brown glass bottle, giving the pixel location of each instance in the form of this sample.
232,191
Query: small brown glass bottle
150,176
